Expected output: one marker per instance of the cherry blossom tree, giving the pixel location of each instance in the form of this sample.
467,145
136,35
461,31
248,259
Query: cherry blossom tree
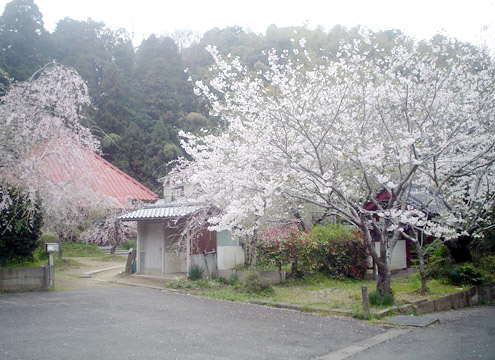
325,135
43,113
41,122
103,227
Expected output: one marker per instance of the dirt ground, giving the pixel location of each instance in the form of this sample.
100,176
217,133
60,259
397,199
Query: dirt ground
94,272
75,277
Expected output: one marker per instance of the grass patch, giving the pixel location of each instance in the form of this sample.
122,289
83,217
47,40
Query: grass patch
187,284
408,289
377,300
23,262
65,264
110,257
323,292
80,250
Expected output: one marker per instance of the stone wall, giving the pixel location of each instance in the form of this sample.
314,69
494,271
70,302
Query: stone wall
473,296
24,279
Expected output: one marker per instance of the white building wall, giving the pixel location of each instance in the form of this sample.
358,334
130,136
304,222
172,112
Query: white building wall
229,257
150,247
175,261
399,255
229,252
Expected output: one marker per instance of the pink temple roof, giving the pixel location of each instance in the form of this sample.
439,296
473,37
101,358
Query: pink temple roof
103,177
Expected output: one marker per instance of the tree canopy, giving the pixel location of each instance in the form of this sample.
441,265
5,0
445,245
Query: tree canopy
325,135
146,86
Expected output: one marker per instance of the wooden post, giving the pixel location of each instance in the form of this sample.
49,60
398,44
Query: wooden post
366,304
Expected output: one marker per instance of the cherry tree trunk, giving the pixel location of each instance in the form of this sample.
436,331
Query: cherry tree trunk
60,247
383,282
422,272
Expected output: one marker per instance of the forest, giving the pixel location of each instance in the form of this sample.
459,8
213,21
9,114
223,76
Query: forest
142,97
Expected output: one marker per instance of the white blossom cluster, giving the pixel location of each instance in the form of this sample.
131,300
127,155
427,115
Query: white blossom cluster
329,134
40,118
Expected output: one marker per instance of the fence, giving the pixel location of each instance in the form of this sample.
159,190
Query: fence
26,279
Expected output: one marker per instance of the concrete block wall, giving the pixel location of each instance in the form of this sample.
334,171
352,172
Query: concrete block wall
24,279
473,296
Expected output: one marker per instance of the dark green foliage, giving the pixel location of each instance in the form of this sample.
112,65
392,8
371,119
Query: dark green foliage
466,275
232,280
20,226
196,272
487,266
24,43
143,98
253,284
129,244
439,263
341,251
377,300
336,250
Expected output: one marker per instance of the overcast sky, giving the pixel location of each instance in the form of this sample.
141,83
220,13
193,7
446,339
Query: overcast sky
464,19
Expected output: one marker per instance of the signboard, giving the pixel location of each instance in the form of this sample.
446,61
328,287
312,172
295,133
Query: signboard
51,247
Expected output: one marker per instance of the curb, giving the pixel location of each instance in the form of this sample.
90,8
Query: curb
89,273
343,312
363,345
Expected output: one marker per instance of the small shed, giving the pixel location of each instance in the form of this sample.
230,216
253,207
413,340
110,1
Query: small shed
419,198
158,252
401,252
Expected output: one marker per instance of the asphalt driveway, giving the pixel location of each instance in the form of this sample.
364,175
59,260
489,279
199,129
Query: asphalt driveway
123,322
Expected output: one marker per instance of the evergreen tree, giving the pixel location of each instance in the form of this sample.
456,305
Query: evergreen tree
24,43
19,231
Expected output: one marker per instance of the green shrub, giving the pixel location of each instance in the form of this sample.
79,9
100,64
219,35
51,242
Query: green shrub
284,246
233,279
223,281
196,272
439,264
341,251
377,300
49,238
336,250
129,244
180,283
253,284
466,275
487,265
20,226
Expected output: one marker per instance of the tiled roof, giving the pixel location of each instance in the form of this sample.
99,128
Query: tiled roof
105,178
163,212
